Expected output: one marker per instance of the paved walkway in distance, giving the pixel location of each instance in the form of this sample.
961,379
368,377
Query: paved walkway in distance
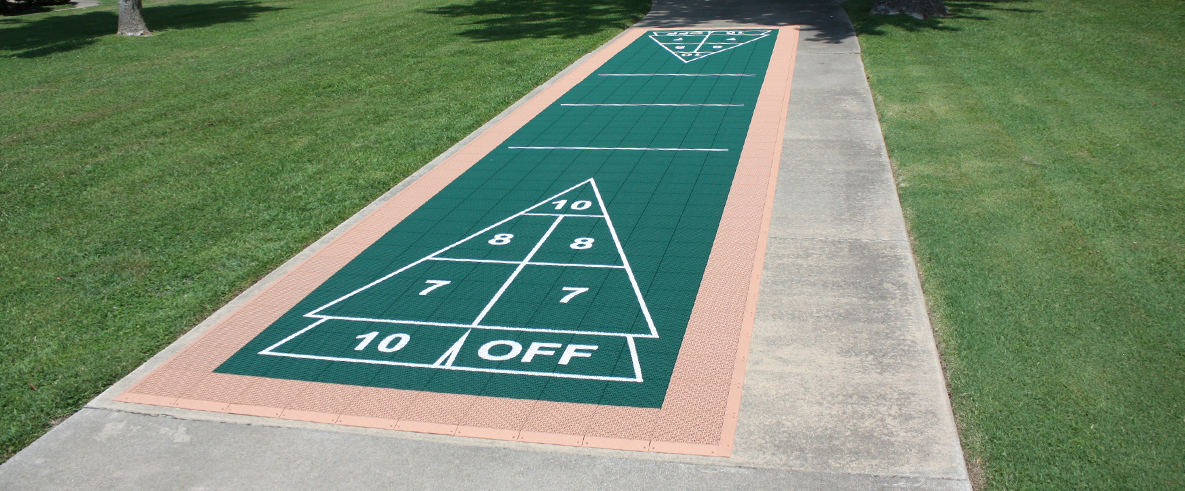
843,388
82,4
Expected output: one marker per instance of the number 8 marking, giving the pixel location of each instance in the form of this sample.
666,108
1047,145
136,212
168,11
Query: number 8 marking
501,239
582,243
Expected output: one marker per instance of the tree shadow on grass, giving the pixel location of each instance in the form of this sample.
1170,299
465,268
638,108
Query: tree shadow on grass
873,25
502,20
59,33
10,8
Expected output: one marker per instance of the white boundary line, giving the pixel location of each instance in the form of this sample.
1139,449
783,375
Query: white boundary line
567,215
530,263
480,326
637,370
625,261
268,350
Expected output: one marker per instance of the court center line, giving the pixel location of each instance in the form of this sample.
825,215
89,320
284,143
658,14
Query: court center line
653,105
701,43
625,148
530,263
479,326
517,270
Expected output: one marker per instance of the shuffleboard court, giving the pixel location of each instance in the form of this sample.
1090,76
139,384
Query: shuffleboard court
582,273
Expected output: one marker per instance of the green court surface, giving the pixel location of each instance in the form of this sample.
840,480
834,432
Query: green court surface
563,265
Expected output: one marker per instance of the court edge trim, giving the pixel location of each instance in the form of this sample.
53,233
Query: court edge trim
546,97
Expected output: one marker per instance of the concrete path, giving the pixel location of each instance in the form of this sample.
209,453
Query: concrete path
82,4
843,389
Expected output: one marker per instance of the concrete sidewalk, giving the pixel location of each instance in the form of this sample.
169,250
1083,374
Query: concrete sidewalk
843,389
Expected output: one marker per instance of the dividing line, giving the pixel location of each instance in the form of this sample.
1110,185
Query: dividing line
701,43
471,326
659,105
517,270
624,148
531,263
561,215
676,74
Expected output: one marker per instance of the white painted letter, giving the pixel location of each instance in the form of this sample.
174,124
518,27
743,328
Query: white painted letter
570,352
537,348
515,349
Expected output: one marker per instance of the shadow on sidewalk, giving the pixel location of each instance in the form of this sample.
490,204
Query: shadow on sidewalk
822,20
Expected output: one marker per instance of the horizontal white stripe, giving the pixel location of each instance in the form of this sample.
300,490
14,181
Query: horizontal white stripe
464,369
530,263
470,326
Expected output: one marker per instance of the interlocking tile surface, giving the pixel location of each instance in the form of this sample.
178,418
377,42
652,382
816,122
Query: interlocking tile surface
583,273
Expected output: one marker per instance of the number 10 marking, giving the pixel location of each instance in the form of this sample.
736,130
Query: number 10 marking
576,290
578,206
384,346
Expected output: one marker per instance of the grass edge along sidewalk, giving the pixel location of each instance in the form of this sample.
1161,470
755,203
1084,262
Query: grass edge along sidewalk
1037,149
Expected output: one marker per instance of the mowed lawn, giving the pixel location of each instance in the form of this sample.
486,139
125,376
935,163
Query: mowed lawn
146,181
1039,148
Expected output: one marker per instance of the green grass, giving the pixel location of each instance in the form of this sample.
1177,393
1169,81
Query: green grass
1039,148
145,181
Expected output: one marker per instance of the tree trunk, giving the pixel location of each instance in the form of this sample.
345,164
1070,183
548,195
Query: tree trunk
131,22
920,9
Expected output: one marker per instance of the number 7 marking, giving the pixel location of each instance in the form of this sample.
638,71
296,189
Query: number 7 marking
435,284
576,290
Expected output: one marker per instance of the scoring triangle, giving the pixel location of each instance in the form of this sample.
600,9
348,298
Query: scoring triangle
515,275
689,46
